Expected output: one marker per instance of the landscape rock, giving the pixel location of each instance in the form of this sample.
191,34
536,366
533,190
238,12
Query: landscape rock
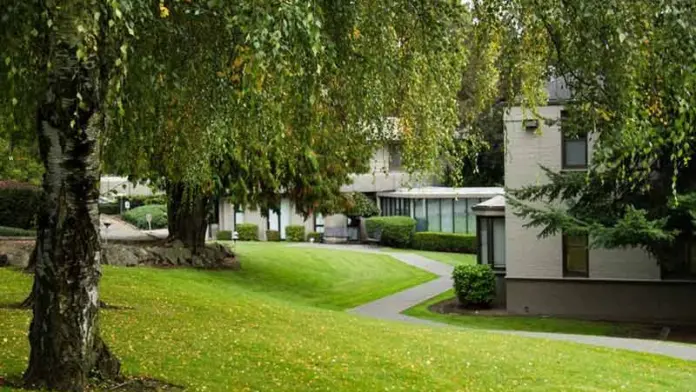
120,255
169,255
16,253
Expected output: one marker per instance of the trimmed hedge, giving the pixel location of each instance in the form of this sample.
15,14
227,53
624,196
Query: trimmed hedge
395,231
15,232
295,233
445,242
248,232
139,200
19,205
138,216
272,235
313,234
109,209
474,285
224,235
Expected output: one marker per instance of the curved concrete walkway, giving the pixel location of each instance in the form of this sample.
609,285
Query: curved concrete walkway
391,308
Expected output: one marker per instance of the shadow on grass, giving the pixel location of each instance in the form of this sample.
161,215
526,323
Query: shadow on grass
24,306
122,384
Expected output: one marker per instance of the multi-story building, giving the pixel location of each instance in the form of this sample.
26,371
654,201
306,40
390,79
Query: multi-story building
562,275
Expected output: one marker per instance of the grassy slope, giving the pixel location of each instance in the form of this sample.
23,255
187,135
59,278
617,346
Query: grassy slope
321,277
453,259
210,332
539,324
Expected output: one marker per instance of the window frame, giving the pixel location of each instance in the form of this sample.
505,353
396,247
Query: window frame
317,226
564,139
564,250
488,221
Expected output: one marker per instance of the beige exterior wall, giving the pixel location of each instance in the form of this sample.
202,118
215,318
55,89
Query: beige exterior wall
382,178
108,185
255,217
527,256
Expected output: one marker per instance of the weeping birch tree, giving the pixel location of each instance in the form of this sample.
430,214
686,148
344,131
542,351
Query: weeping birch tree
254,97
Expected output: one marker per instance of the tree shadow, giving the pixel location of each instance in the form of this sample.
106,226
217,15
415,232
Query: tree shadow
122,384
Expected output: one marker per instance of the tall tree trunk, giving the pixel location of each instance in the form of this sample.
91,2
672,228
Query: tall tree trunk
64,334
187,215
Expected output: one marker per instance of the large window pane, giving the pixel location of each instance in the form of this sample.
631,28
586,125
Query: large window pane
419,211
575,151
447,214
433,215
319,223
575,256
460,216
483,235
499,243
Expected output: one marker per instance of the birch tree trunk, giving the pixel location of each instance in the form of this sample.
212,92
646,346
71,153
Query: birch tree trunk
64,334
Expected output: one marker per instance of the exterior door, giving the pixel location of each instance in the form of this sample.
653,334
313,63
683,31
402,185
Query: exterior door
284,216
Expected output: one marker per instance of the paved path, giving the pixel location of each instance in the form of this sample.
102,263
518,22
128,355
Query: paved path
123,231
391,308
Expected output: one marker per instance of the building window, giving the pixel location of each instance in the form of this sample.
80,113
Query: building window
433,211
238,216
447,215
491,246
319,223
461,216
394,157
576,256
682,265
574,149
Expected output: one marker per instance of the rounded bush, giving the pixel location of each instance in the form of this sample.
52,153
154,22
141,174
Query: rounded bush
445,242
474,285
295,233
138,216
315,235
247,231
19,204
394,231
140,200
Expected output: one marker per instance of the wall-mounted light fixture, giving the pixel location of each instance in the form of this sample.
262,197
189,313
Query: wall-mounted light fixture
530,125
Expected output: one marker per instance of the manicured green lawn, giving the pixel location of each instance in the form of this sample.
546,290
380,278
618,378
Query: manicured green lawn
539,324
324,278
219,331
443,257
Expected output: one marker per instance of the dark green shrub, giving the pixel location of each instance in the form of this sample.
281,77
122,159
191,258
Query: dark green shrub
19,204
247,232
272,235
139,200
474,285
393,231
15,232
445,242
109,209
224,235
359,205
295,233
138,216
315,235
